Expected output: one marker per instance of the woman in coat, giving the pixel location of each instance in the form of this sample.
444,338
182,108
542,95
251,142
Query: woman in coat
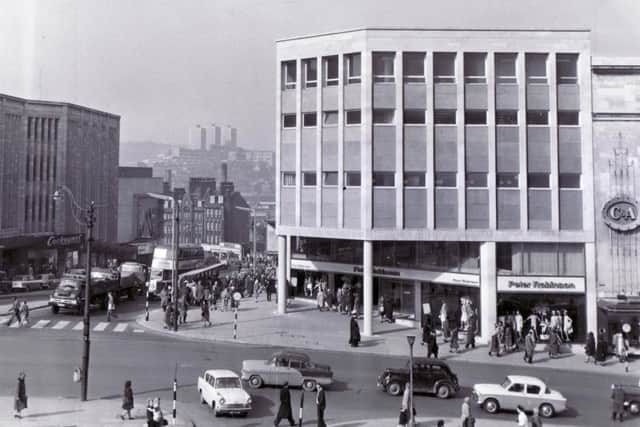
529,346
554,343
590,348
127,401
602,348
508,337
354,335
495,342
20,402
454,345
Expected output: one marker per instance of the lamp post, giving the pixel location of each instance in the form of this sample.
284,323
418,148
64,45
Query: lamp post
411,339
88,220
253,225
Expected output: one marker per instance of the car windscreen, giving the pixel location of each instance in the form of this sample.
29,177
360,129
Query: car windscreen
227,383
506,383
69,285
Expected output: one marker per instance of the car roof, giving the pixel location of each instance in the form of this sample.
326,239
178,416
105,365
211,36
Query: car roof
525,379
222,373
429,361
291,354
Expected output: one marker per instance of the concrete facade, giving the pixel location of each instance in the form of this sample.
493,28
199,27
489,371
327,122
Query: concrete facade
139,216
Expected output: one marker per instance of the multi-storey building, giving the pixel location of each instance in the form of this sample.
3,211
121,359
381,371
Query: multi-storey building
44,145
439,166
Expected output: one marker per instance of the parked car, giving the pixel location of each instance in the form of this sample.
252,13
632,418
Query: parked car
49,280
631,398
518,390
429,376
26,283
292,367
222,391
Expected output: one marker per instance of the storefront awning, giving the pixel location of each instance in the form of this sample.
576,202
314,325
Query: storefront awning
629,305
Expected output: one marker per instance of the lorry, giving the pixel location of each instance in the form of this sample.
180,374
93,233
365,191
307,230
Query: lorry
70,292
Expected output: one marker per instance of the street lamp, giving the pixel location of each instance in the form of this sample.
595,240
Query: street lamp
411,339
253,222
87,218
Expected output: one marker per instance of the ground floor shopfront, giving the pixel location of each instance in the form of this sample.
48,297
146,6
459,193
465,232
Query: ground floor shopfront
447,280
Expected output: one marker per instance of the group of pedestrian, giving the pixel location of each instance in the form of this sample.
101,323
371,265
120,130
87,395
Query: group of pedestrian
19,312
285,412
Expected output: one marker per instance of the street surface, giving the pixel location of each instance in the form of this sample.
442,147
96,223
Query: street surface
121,351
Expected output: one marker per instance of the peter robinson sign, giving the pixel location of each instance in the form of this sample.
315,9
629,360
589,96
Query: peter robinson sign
621,214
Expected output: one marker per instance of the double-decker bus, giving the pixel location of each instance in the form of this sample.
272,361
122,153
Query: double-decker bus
190,258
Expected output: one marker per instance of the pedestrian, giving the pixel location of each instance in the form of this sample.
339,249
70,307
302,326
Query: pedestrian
453,346
465,412
404,417
24,313
429,338
149,413
617,403
354,332
15,311
536,420
567,326
529,346
111,306
320,298
495,342
185,309
204,308
321,403
523,421
519,325
127,401
158,416
554,343
284,411
444,320
20,401
590,348
470,340
602,348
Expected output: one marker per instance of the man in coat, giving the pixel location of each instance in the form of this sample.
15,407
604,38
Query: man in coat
354,332
285,406
20,401
529,346
321,403
617,403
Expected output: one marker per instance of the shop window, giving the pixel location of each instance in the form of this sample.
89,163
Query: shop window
506,117
414,117
476,179
569,180
310,72
568,118
383,67
413,67
444,117
536,68
537,118
538,180
288,121
352,179
475,117
353,117
506,68
446,179
309,179
383,116
474,67
330,70
384,179
444,67
288,75
414,179
352,68
309,119
567,68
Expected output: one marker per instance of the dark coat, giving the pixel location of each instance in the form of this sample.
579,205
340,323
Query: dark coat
529,344
354,336
554,343
127,399
321,400
590,347
432,344
285,404
617,400
495,343
21,396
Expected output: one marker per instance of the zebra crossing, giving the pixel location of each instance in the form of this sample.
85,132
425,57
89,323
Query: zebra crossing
59,325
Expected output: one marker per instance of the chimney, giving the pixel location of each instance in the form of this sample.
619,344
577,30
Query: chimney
167,177
223,167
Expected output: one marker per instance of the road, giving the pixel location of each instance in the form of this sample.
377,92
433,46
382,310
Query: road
48,356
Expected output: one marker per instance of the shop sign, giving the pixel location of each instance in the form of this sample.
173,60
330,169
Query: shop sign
533,284
621,214
62,241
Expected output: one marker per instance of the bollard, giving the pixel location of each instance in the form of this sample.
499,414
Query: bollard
146,307
235,323
301,407
175,393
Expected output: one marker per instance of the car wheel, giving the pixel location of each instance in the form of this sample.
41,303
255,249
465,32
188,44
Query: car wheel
634,408
308,385
443,391
546,410
255,381
491,406
55,309
394,389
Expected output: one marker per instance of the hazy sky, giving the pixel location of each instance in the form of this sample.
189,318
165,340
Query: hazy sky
166,65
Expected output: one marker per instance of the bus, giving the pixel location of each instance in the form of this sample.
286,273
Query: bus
190,257
224,251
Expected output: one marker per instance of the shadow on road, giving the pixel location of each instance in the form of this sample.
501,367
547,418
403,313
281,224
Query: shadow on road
48,414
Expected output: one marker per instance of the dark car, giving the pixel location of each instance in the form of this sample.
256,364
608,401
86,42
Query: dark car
292,367
429,376
631,398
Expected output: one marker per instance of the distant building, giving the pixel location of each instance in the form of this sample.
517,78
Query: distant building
232,137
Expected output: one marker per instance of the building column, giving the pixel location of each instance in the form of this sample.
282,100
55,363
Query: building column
282,275
488,292
591,287
367,286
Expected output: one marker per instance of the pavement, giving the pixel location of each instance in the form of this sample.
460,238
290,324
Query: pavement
305,327
65,412
432,422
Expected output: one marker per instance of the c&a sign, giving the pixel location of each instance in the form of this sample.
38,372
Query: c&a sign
621,214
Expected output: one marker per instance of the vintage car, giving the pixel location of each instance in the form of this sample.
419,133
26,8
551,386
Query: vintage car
28,283
429,376
222,391
518,390
292,367
631,398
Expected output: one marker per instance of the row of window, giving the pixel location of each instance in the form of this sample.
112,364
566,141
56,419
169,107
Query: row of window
386,116
444,68
441,179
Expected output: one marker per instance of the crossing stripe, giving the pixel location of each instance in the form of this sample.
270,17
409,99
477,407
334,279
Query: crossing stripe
61,324
101,326
138,331
120,328
78,326
41,324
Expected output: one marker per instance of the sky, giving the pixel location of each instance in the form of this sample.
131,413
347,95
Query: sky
166,65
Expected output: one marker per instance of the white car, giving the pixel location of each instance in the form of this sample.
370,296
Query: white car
221,390
519,390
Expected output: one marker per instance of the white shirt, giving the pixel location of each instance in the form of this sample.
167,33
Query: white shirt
523,421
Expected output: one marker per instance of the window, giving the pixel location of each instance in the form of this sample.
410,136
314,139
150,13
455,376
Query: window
476,179
567,68
353,117
288,75
446,179
507,180
569,180
383,116
536,117
288,179
536,67
444,117
413,67
309,179
329,178
352,179
444,67
568,118
330,118
383,68
516,388
288,120
538,180
474,67
414,117
533,389
506,117
310,70
309,119
352,68
475,117
384,179
414,179
506,68
330,70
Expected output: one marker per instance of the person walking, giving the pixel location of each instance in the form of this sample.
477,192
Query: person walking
15,311
444,320
404,417
529,346
495,342
454,345
354,332
602,348
590,348
617,403
554,343
535,420
24,313
20,401
149,413
127,401
523,421
284,411
519,323
185,309
465,412
470,340
321,403
429,339
111,306
204,308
